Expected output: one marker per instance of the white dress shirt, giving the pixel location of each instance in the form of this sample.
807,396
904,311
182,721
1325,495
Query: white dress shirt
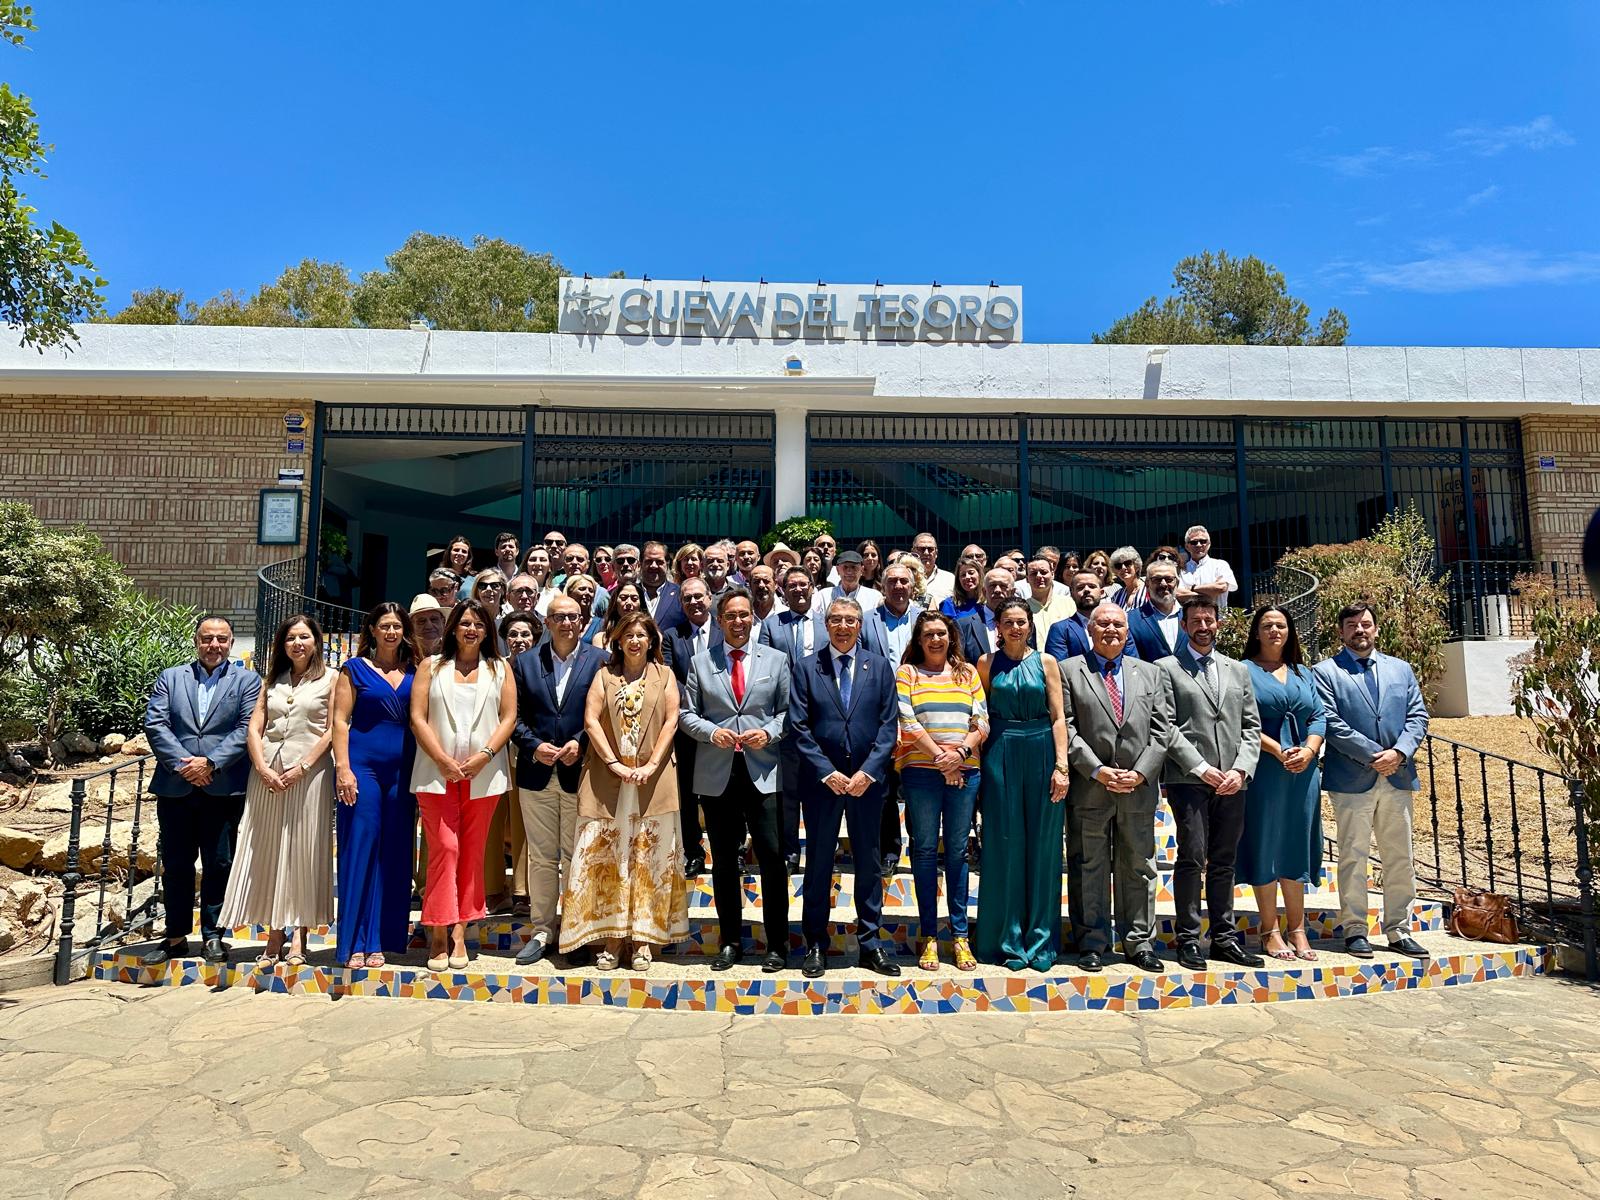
869,598
1209,570
1169,624
563,669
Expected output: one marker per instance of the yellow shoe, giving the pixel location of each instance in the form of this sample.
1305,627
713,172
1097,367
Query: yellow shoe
928,956
963,953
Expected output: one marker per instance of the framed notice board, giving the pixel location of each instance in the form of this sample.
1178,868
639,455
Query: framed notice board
278,518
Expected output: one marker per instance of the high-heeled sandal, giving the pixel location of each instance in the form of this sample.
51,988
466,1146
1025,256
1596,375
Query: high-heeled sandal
1283,953
965,961
928,956
358,962
1306,955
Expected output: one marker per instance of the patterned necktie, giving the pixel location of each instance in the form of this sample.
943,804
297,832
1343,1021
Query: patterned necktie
1370,678
1207,678
844,681
738,675
1113,690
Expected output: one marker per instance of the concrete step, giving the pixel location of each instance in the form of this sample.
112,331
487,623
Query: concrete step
687,985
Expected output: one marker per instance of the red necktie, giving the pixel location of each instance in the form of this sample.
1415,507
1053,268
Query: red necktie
738,675
1114,692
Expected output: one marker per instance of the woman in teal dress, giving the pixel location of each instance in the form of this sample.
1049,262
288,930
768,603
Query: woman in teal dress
1281,847
1024,783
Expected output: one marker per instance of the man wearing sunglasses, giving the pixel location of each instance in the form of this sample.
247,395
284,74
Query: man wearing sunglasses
1202,576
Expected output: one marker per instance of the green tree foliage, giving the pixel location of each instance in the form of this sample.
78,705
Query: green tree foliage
314,294
796,532
46,278
1556,687
157,306
1220,300
490,285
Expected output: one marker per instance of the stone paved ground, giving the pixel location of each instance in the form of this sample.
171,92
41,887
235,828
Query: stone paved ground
108,1091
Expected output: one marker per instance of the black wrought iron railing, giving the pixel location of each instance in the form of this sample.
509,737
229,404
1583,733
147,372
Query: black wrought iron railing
1495,599
1512,827
1295,591
279,596
112,853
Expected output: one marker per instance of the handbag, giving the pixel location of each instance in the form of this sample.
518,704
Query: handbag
1483,917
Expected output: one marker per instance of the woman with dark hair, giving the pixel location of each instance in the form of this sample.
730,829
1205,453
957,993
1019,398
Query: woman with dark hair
520,631
943,721
871,562
458,557
1165,554
811,563
1281,847
1070,564
1024,782
967,593
283,863
463,711
629,597
372,749
626,887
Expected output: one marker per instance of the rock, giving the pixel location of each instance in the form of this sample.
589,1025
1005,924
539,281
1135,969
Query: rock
51,797
58,751
19,764
18,847
78,742
113,743
7,937
33,752
31,899
121,848
137,744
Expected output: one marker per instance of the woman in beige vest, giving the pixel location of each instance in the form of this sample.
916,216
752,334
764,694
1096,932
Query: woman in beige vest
283,864
626,885
463,710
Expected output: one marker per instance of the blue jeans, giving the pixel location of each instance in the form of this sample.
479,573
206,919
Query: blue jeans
930,800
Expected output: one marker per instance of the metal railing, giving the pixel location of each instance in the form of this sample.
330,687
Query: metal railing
1512,827
1489,600
1294,590
118,873
280,597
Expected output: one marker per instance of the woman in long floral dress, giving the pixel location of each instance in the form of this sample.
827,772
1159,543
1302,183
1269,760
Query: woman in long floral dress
626,886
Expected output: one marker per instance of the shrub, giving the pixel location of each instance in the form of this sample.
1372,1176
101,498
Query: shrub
1556,687
796,532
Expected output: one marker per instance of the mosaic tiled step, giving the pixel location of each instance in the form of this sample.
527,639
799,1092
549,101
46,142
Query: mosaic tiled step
847,991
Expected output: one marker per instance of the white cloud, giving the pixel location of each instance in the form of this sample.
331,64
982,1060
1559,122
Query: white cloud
1374,160
1541,133
1483,197
1442,268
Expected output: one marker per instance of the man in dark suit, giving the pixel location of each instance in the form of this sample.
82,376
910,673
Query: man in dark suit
198,723
1155,624
1120,712
798,632
1216,743
552,687
1071,638
661,598
978,636
845,714
679,644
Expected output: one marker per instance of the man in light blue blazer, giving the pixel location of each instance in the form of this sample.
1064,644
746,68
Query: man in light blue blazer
198,723
1376,722
736,705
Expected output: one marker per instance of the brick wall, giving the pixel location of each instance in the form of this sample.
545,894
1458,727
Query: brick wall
171,486
1561,501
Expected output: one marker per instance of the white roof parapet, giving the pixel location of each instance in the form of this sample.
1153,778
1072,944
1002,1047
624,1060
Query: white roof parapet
141,359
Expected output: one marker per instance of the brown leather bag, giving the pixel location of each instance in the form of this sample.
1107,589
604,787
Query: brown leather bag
1483,917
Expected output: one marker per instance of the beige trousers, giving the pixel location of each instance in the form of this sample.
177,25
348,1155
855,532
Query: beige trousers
549,823
1383,813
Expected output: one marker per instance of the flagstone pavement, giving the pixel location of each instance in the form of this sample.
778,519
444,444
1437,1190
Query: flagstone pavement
110,1091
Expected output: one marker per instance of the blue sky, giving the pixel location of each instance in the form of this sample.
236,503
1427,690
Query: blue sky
1431,168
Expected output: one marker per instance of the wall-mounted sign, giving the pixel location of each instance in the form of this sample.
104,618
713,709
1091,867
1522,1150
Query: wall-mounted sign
900,312
294,421
291,474
278,519
1547,462
295,446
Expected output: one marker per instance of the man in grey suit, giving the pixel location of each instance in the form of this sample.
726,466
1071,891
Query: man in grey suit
1121,715
1376,721
1216,741
197,722
736,702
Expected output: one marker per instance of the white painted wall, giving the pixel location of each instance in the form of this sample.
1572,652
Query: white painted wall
1477,678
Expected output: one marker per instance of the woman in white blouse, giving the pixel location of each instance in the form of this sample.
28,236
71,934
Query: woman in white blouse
463,709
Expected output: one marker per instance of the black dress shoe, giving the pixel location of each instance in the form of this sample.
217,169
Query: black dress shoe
812,965
1190,958
165,953
694,864
772,962
726,957
1147,960
1233,952
1090,960
1358,947
890,864
216,950
1408,946
791,864
874,958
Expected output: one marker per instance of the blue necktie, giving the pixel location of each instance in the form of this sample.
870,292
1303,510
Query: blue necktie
844,681
1370,678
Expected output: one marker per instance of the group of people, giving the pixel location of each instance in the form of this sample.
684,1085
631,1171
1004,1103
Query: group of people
654,703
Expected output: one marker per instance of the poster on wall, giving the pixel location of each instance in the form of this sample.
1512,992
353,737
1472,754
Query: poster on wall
278,520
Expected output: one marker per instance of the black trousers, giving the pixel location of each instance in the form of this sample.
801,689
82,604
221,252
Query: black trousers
196,824
1209,826
683,747
789,793
825,809
889,824
742,808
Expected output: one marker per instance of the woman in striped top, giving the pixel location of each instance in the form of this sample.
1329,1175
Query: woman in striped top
943,721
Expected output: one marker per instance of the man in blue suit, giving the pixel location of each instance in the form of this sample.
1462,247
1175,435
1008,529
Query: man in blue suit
552,687
1155,625
978,635
679,644
798,632
198,723
1376,722
845,714
1070,638
661,595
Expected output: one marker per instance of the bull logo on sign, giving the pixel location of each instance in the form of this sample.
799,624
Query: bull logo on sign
591,310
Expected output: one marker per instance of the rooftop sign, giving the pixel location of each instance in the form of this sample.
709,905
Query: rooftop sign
907,312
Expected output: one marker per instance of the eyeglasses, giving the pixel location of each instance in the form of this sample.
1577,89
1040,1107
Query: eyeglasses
555,542
624,560
497,587
524,591
845,621
1199,541
563,618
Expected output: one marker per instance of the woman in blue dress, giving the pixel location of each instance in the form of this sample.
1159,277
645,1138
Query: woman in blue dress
1281,847
376,813
1022,786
